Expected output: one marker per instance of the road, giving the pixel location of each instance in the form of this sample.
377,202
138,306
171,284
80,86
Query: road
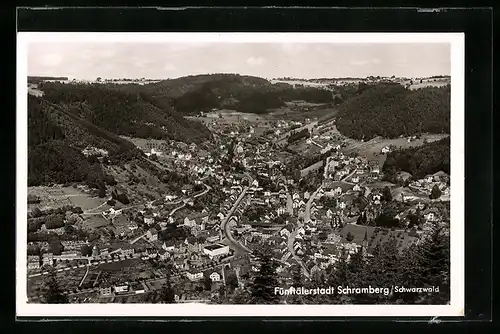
289,202
291,240
225,226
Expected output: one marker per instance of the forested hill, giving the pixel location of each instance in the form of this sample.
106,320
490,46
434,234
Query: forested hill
419,161
132,113
192,94
56,139
391,110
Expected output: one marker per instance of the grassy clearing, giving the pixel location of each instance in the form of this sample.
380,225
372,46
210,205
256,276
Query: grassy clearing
372,148
58,196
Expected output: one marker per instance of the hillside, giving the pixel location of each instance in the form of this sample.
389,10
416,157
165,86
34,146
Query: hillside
419,161
55,141
391,110
192,94
130,113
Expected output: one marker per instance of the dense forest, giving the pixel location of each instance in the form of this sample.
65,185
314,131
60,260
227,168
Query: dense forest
390,110
192,94
419,161
135,114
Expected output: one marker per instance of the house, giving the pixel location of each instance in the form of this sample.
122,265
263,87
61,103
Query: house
215,276
403,176
430,215
307,195
286,231
301,231
33,262
342,205
127,250
355,179
429,178
121,289
152,234
194,274
163,254
214,236
48,259
356,187
169,245
196,219
106,291
149,220
441,177
385,149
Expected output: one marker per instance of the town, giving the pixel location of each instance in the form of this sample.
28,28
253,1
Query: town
299,187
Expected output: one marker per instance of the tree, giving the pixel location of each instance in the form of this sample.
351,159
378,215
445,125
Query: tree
207,283
86,250
262,288
55,247
386,194
297,281
54,221
349,237
435,192
52,294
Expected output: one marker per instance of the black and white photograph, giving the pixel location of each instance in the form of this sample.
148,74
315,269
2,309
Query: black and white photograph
236,174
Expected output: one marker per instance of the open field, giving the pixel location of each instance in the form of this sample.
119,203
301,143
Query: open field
372,149
300,82
58,196
438,83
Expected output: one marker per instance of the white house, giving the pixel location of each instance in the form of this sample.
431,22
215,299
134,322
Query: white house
342,205
355,179
215,277
385,149
121,289
194,275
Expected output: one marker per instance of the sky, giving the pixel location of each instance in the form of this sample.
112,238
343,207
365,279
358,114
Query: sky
267,60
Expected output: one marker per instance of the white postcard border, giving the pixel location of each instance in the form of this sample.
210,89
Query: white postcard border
457,274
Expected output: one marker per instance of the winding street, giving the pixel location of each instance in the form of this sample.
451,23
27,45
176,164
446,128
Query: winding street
238,247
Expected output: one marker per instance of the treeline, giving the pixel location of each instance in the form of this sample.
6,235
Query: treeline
132,113
419,161
36,80
390,110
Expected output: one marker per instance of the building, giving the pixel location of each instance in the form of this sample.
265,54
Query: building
107,291
121,289
152,234
194,275
216,250
33,262
215,276
196,219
